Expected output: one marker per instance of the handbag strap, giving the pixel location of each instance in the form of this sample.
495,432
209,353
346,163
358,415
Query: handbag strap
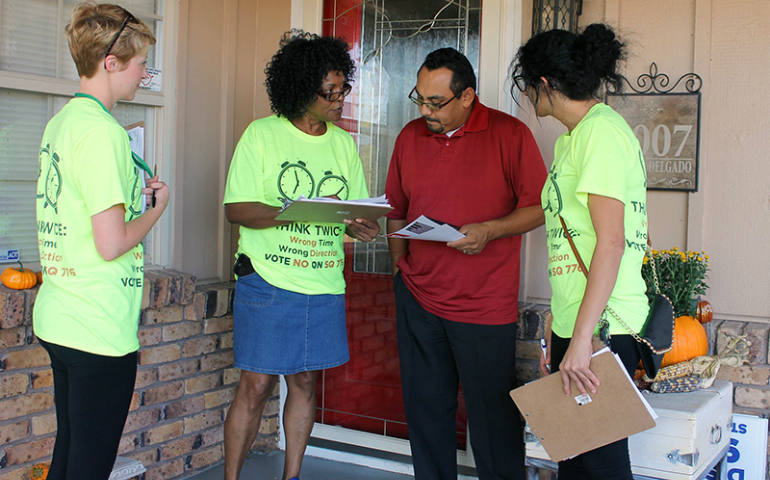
574,248
607,308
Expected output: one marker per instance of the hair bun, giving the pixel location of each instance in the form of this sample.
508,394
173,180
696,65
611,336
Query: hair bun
600,49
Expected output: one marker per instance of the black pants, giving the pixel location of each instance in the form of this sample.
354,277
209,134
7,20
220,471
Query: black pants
610,462
92,397
436,355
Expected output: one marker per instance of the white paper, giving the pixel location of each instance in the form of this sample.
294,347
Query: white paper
154,80
426,229
377,201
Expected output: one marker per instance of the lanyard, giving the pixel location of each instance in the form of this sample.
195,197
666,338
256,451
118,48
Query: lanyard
140,164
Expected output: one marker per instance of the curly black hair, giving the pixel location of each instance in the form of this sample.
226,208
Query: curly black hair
296,72
575,65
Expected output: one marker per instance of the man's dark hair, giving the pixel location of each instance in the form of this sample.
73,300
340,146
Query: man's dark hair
296,72
462,70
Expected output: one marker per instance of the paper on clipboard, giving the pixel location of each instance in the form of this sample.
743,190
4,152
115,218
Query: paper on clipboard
331,210
570,425
424,228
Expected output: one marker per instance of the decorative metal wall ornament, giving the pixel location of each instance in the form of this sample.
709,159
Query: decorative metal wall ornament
556,14
659,82
667,124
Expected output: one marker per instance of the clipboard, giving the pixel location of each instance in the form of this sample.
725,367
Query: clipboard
567,426
308,210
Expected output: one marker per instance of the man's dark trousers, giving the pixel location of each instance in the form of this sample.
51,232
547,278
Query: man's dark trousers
436,355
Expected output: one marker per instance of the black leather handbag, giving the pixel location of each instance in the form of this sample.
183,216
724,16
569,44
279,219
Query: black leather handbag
657,335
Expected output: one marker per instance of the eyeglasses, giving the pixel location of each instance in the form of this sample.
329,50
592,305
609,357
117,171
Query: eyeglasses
520,83
334,96
129,18
433,107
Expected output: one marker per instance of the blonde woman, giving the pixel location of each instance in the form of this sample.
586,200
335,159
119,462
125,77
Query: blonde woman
90,192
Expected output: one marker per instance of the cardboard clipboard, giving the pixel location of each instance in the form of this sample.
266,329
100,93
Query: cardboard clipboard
567,426
331,212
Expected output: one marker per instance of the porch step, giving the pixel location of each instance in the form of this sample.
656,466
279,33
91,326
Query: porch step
126,468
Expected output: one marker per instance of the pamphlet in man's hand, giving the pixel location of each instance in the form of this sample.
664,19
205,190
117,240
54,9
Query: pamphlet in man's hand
333,210
425,228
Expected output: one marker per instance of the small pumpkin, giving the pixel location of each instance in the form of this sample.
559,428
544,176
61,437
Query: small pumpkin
18,278
705,312
39,472
39,276
690,341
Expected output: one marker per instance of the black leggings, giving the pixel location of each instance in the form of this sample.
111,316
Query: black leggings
92,396
610,462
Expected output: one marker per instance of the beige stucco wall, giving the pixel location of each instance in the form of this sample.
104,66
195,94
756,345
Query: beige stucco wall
736,223
726,43
223,49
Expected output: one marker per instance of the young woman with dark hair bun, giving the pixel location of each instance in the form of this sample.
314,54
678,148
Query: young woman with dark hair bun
597,185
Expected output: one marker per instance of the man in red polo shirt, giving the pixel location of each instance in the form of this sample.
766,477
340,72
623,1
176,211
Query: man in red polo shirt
457,303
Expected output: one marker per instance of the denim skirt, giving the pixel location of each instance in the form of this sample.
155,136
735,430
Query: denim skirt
280,332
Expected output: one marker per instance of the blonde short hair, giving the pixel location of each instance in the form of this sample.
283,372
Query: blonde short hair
93,27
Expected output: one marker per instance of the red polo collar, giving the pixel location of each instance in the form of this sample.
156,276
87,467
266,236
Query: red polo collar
478,121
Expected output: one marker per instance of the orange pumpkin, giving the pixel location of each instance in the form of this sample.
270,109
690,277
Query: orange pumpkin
705,312
39,472
18,278
39,276
690,341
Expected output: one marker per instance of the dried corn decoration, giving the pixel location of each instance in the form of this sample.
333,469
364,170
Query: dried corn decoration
676,385
672,371
734,353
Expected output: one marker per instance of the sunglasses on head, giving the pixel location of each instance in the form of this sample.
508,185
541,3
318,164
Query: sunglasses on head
129,18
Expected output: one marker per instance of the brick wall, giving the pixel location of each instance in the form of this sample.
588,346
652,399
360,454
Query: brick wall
185,382
751,382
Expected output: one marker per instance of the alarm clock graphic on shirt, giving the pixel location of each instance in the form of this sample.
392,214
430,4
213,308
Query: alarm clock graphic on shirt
52,181
554,203
295,180
332,184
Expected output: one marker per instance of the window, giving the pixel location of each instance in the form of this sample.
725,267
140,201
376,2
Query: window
389,40
37,78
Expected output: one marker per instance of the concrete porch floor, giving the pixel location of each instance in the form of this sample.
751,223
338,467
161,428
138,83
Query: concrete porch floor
270,467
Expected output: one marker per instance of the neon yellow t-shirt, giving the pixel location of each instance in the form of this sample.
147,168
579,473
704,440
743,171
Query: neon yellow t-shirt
601,156
274,160
86,303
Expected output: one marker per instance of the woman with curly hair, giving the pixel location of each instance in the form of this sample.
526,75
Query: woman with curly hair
289,307
597,187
